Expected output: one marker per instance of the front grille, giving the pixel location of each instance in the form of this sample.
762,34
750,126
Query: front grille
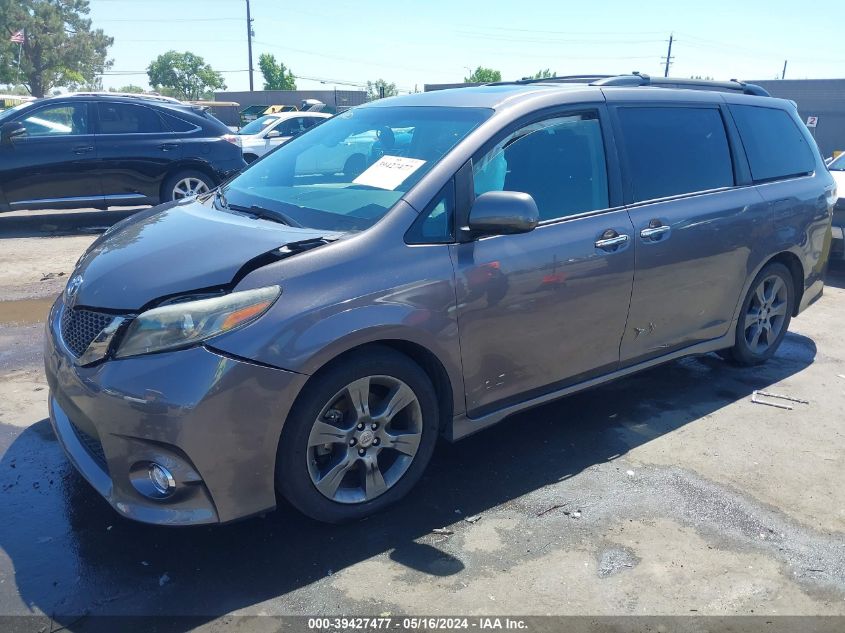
81,327
92,446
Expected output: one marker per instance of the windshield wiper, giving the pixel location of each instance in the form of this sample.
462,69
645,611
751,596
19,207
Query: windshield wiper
256,211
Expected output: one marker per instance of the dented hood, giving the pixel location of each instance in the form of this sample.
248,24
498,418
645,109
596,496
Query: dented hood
173,249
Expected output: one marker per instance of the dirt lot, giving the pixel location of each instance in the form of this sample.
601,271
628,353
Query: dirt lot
669,492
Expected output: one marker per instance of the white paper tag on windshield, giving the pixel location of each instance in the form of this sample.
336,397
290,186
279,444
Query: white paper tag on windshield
388,172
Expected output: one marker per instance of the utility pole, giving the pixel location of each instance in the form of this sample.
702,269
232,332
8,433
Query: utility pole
668,55
783,74
249,43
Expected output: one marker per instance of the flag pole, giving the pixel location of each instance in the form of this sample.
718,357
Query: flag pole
20,50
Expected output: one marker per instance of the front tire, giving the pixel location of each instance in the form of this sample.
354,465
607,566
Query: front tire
765,316
358,437
185,184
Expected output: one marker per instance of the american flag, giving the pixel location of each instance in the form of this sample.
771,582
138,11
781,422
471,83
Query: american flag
18,38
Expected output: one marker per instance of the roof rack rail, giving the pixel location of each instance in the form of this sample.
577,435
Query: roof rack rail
556,79
641,79
128,95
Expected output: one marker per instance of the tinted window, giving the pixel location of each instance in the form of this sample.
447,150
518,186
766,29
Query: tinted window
58,120
560,162
178,125
293,126
773,143
671,151
124,118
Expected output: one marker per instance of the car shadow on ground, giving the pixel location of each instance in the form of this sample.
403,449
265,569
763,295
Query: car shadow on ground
73,554
835,274
56,223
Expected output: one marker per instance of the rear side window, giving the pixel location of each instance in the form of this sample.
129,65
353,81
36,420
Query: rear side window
178,125
773,143
125,118
672,151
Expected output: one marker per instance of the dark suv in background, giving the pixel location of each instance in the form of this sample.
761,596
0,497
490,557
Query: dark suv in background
99,150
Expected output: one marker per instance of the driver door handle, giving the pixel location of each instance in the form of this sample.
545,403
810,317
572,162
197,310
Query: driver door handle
611,242
83,149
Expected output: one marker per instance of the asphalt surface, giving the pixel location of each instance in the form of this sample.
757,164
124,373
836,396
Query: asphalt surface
668,492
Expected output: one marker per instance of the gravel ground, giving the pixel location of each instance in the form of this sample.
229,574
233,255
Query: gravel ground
665,493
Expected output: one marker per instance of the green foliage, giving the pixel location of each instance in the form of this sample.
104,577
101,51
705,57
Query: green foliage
277,76
60,49
131,89
374,89
183,75
544,74
483,75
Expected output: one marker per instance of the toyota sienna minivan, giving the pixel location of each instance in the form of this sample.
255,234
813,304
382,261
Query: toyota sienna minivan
312,334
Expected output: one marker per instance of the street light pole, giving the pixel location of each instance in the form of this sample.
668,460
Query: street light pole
249,43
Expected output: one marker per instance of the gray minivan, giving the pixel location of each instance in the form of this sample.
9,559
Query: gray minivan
502,246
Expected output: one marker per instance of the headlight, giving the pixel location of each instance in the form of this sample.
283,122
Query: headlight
188,323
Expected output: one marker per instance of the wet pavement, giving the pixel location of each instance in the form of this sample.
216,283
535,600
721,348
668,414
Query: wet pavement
666,492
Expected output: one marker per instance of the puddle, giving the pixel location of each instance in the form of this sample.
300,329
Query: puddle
25,311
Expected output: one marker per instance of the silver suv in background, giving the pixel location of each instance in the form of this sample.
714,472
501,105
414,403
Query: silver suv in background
313,332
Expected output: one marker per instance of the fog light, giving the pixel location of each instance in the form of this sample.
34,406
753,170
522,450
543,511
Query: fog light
161,479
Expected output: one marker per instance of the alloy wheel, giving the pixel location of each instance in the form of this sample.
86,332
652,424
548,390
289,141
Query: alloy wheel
188,187
766,314
364,439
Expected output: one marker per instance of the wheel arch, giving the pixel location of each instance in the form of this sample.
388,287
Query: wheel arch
427,360
793,264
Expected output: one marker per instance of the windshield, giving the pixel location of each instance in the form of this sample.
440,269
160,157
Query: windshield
838,164
345,174
259,125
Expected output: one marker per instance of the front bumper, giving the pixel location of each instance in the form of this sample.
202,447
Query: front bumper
212,420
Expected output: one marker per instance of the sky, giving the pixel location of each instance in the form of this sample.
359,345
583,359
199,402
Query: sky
333,43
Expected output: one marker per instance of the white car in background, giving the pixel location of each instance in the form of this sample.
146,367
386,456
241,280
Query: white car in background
837,170
271,130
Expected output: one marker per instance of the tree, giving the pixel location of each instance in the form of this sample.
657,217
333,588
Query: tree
482,75
59,49
277,76
544,74
184,75
374,89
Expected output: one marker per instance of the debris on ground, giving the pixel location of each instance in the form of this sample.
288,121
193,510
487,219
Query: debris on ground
549,509
445,531
757,395
576,514
47,276
163,580
473,519
630,473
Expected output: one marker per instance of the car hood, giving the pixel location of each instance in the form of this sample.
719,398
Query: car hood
173,249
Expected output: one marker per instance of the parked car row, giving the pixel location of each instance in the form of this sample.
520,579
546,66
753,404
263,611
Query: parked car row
490,249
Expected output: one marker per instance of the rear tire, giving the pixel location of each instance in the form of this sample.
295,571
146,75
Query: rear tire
343,456
184,184
764,318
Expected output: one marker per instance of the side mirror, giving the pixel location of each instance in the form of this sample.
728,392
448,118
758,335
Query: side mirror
503,213
10,131
273,134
